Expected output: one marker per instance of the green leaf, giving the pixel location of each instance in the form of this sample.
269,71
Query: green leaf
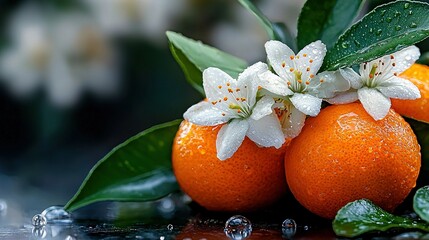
385,30
362,216
421,130
137,170
421,203
275,31
325,20
194,57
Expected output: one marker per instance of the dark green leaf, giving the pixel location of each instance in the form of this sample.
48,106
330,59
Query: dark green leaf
421,130
387,29
194,57
137,170
275,31
325,20
421,203
362,216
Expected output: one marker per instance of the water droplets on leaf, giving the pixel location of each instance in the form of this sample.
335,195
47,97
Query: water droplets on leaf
238,227
289,228
389,19
379,31
383,12
413,25
406,5
398,27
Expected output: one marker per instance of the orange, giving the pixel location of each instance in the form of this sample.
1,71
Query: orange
343,155
252,178
419,108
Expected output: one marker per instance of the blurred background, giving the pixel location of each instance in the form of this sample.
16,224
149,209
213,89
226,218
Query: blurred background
78,77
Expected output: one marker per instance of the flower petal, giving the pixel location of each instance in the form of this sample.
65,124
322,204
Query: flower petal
266,131
374,102
292,121
404,58
306,103
310,59
280,57
205,114
354,78
212,79
262,108
230,137
399,88
274,84
327,84
249,80
343,98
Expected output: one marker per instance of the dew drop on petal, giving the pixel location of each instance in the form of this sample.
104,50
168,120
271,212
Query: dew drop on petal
289,228
39,220
57,214
238,227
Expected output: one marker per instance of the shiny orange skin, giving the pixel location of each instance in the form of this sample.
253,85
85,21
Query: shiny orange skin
251,179
343,155
419,108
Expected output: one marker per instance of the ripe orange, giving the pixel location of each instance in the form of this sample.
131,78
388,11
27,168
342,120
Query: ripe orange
419,108
252,178
343,155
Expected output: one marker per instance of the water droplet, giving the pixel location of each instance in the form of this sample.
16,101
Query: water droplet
357,42
371,30
397,28
167,206
170,227
69,238
389,19
289,228
161,238
406,5
378,32
344,45
39,232
306,228
383,12
397,14
410,12
413,25
57,214
3,207
38,220
238,227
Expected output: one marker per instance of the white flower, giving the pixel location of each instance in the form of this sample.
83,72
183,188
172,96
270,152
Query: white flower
150,18
296,84
63,54
378,81
234,102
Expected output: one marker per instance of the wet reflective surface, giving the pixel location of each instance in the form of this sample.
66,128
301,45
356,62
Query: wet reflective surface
173,217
